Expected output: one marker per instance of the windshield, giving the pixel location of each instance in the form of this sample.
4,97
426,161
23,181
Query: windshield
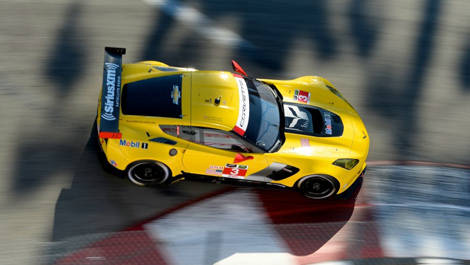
264,124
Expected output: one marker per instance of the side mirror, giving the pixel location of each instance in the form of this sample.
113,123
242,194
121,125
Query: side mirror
237,68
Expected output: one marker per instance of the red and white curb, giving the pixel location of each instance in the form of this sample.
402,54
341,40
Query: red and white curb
247,226
239,226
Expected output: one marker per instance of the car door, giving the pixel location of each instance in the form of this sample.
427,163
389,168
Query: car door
220,153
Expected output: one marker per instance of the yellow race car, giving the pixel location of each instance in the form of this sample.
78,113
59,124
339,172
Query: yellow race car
158,124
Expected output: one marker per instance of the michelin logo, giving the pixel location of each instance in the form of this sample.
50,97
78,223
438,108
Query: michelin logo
110,92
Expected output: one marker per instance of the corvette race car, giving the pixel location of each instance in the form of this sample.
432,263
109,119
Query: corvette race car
158,124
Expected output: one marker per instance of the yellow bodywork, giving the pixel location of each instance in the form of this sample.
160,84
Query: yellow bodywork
311,155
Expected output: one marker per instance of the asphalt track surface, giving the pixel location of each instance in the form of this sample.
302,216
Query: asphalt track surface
404,65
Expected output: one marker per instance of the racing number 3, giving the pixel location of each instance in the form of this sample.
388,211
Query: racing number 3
234,171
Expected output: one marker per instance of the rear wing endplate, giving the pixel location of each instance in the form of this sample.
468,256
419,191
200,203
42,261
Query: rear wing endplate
111,93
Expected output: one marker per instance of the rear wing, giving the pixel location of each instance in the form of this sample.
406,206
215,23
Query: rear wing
111,93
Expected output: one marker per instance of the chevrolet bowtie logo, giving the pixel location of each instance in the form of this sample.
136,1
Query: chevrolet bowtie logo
175,94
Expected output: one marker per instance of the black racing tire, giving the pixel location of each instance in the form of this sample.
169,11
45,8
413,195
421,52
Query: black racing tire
318,186
148,173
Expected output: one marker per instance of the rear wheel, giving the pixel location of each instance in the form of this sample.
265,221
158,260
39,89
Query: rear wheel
148,173
318,186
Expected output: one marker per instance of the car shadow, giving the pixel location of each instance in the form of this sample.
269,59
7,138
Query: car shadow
99,202
306,224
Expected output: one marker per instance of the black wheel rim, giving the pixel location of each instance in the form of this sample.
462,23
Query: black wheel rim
148,173
317,187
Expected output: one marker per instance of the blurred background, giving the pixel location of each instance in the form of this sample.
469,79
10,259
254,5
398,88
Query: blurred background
404,65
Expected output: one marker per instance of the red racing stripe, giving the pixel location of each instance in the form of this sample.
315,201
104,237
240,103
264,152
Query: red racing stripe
112,135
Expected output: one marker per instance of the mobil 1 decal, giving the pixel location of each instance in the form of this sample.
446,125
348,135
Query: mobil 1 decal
234,171
133,144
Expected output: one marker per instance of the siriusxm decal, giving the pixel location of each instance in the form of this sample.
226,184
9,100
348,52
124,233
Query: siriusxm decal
111,90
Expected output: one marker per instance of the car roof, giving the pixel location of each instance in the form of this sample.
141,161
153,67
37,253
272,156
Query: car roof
214,99
208,98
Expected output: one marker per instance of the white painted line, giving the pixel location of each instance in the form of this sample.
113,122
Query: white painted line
229,224
95,258
379,163
424,205
258,258
437,261
339,262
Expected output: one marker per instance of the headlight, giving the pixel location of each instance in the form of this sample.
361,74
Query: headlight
347,163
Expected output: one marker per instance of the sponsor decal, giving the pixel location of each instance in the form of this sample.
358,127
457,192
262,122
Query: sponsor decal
234,171
244,107
215,170
304,142
113,163
112,135
304,149
133,144
301,96
165,69
175,94
111,91
328,129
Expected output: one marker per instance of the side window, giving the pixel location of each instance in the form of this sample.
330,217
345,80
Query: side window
208,137
221,140
183,132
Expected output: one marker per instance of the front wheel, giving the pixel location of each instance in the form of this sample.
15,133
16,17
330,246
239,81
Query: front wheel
148,173
318,186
